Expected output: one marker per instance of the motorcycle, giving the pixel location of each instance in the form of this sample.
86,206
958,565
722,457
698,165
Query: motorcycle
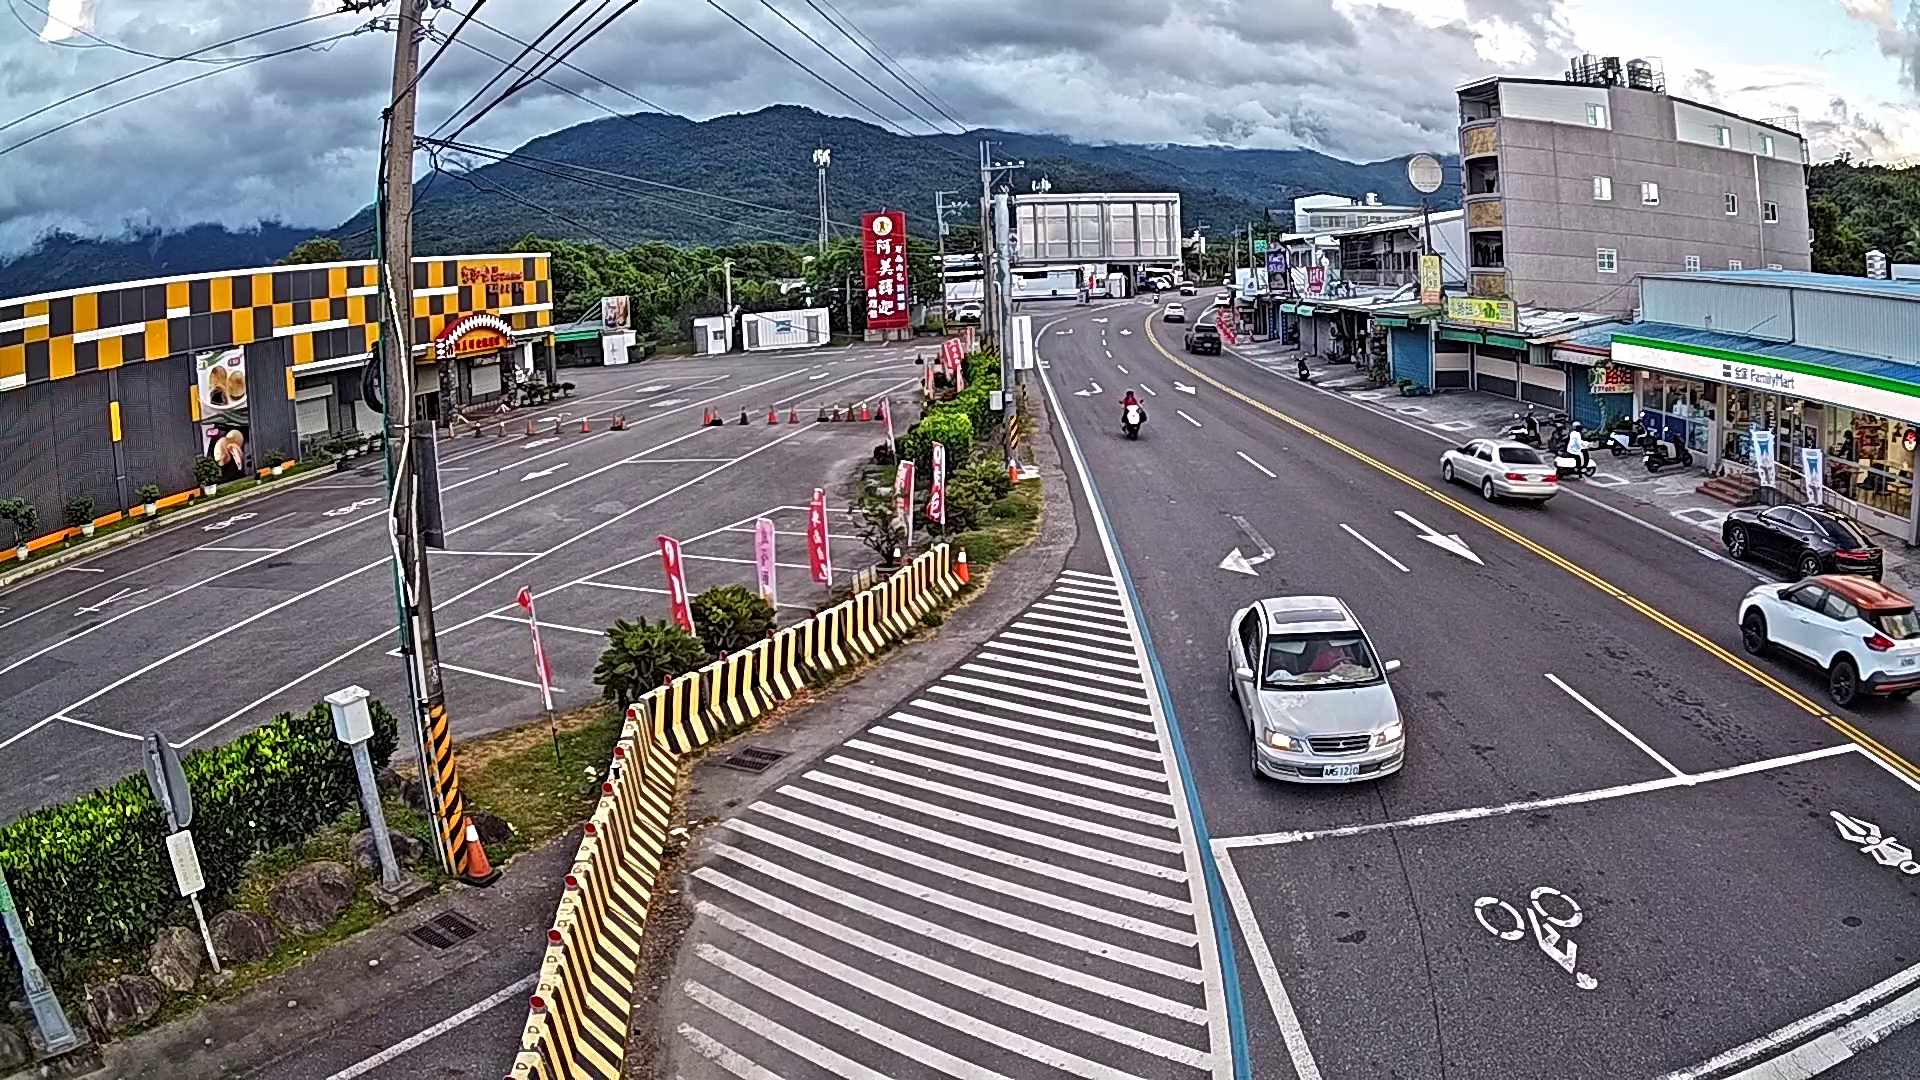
1570,465
1131,418
1622,442
1523,429
1301,369
1663,452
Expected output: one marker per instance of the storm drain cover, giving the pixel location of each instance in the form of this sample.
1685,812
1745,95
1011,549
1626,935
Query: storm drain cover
754,759
444,931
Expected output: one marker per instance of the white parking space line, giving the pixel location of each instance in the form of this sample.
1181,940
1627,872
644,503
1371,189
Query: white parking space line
1291,1033
1812,1058
240,550
1051,791
477,673
1250,461
545,625
622,588
1182,413
17,736
1376,548
1445,817
1614,724
101,728
496,999
80,570
489,554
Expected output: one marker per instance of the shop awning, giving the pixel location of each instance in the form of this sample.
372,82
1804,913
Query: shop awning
1388,320
1303,309
1449,334
577,335
1506,342
1886,387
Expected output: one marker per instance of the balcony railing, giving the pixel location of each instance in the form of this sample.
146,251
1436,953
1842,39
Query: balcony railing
1479,138
1485,211
1487,283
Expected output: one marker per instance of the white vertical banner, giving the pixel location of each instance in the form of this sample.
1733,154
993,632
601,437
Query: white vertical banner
1814,464
886,415
937,495
763,561
540,665
1763,459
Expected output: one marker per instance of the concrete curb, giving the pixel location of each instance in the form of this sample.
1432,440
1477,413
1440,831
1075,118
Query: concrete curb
160,526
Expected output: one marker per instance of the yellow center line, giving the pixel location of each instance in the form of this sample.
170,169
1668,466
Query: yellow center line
1853,734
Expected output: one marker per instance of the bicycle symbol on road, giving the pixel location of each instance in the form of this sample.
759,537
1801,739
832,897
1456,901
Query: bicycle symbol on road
1886,850
356,505
1546,926
226,523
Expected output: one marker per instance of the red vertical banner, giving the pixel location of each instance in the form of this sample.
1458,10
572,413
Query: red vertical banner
884,242
819,556
540,665
937,495
763,561
903,497
677,596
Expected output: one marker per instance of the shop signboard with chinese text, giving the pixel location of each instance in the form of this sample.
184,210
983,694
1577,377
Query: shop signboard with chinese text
1483,311
1430,279
1739,369
884,241
1607,378
475,335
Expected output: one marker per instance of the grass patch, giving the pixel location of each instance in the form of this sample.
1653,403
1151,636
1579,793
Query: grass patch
1010,524
513,774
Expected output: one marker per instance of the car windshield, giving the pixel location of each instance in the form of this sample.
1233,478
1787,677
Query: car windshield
1900,625
1306,661
1519,455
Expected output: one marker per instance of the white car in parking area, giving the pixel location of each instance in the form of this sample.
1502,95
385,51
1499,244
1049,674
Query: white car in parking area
1314,692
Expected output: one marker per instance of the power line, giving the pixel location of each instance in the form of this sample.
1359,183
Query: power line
855,72
427,28
528,78
317,44
817,77
530,47
482,24
117,80
900,76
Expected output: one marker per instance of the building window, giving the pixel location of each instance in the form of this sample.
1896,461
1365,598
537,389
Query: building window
1723,136
1766,145
1603,189
1649,194
1606,260
1772,211
1693,263
1734,264
1733,203
1596,115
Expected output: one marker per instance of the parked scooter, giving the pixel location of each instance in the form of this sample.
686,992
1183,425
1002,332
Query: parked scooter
1130,420
1663,453
1524,429
1622,442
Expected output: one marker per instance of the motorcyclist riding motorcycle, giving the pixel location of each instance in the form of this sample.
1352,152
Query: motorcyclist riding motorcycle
1132,414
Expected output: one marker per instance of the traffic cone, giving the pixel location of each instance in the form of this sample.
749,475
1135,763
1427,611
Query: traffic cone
743,416
849,417
960,568
586,426
706,417
865,416
619,422
480,872
556,425
793,414
1013,471
773,416
822,417
529,429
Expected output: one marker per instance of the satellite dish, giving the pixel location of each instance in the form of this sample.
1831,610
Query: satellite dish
1424,173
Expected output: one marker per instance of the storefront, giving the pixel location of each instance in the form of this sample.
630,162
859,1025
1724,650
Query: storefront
476,355
1867,427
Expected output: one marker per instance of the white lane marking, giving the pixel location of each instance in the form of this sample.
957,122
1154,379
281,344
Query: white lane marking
1901,1014
1445,542
101,728
477,673
1182,413
1257,465
1019,809
913,1004
1029,746
1376,548
1033,623
1291,1033
236,550
999,829
782,990
1056,643
488,554
1151,392
1097,708
1614,724
414,1042
920,964
545,625
1132,682
816,378
1045,900
1123,369
1134,698
78,570
1104,616
727,1058
1050,792
1576,798
16,737
1036,730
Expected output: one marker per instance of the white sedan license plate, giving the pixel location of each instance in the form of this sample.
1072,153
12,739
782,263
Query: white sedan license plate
1340,772
1907,661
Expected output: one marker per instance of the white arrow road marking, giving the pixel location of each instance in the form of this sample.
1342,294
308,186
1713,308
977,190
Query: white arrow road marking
537,443
669,401
654,389
94,609
1257,465
1150,390
1092,389
1101,321
817,378
1237,563
1183,387
1266,549
1125,332
1122,367
1449,542
548,471
1183,415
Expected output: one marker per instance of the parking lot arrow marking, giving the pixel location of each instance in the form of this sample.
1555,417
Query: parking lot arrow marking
1449,542
668,402
1125,332
548,471
537,443
1238,563
1102,321
1183,387
1092,389
1266,549
94,609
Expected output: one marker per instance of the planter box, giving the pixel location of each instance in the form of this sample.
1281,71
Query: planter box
209,489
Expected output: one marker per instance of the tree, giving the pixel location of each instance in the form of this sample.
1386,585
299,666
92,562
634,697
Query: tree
319,249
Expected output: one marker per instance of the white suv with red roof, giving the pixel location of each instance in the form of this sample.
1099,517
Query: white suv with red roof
1864,635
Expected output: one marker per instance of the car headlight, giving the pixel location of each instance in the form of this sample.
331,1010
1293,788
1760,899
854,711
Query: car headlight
1390,734
1281,741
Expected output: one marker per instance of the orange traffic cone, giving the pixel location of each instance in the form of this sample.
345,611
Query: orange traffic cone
1013,471
529,429
480,871
865,416
793,414
773,416
706,417
586,426
619,422
960,568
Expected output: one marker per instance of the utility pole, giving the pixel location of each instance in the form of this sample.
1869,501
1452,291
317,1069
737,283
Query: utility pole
726,268
940,219
822,161
409,438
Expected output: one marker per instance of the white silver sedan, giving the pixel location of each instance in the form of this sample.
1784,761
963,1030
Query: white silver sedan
1501,469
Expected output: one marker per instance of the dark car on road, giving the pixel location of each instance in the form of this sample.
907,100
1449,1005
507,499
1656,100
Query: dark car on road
1806,540
1204,337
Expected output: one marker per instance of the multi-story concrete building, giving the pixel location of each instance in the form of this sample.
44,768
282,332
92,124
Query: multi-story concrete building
1575,189
1326,213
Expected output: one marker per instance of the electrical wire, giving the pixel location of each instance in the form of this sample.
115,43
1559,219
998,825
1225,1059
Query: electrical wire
530,47
898,71
165,61
855,72
321,44
426,28
817,77
553,60
484,25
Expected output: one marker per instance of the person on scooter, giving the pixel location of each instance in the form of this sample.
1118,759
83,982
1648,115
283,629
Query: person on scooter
1131,402
1577,445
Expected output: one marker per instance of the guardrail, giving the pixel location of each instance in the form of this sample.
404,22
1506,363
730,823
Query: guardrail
582,1007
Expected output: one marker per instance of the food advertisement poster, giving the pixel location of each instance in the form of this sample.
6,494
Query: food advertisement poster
224,434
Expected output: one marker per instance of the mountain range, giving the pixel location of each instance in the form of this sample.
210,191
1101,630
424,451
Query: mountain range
741,177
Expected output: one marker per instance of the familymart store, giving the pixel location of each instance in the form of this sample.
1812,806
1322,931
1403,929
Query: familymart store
1861,413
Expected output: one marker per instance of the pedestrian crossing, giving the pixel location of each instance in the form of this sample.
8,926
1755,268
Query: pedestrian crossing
992,882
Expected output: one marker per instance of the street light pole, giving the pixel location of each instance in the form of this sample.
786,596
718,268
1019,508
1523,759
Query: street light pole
822,161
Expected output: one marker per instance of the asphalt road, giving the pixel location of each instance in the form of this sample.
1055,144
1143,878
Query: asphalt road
211,628
1580,719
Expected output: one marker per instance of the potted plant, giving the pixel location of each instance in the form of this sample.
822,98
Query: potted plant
24,518
206,473
149,498
276,462
80,514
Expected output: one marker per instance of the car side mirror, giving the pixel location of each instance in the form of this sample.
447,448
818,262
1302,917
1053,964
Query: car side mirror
1390,666
1243,673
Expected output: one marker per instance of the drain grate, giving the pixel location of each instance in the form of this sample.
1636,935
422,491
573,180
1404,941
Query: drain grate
754,759
444,931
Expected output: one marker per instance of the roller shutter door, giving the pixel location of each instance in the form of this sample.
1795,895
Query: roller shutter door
1495,374
1545,386
483,380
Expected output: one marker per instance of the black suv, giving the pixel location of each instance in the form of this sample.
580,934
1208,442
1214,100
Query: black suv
1203,337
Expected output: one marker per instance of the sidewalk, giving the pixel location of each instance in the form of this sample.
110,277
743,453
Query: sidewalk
1459,415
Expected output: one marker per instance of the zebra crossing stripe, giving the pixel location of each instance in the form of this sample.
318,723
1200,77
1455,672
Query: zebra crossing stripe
1096,782
794,1042
1153,775
1072,608
717,1052
1133,682
1053,794
1145,732
1041,680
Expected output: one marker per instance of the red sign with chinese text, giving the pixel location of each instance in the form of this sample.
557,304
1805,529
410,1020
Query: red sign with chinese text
677,596
883,237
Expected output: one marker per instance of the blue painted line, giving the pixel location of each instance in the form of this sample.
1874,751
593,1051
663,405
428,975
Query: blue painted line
1216,893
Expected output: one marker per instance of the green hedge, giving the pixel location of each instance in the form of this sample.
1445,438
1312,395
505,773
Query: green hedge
92,878
943,422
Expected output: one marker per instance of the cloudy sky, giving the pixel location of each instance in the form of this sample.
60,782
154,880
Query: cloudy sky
294,137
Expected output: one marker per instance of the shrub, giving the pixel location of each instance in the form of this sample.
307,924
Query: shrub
990,474
206,471
92,878
950,428
79,510
729,618
883,454
22,517
276,457
641,655
879,527
967,502
149,493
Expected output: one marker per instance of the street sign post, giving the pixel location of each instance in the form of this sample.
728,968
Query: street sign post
56,1033
168,780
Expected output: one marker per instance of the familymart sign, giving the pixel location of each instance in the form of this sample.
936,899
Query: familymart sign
1792,378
